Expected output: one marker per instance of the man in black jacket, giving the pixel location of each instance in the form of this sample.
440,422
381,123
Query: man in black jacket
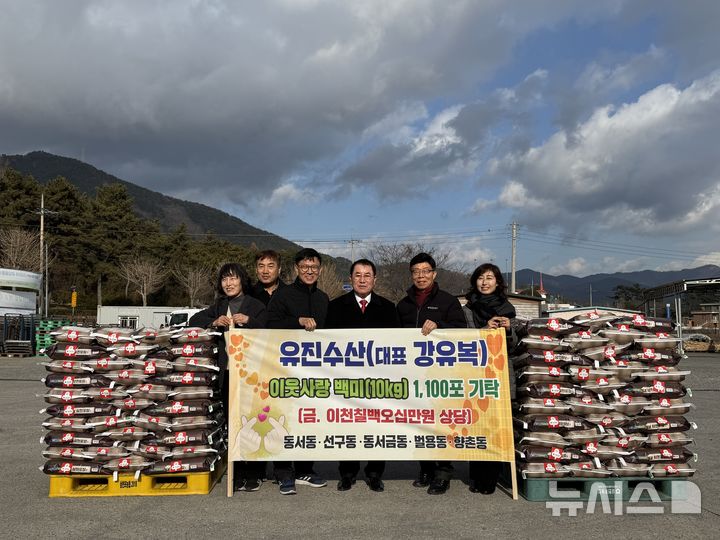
299,305
427,307
362,308
267,269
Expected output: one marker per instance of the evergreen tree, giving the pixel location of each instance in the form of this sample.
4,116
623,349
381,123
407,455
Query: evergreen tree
66,226
112,236
19,200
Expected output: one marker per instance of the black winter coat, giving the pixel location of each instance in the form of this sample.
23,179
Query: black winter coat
250,306
259,292
297,300
345,312
479,312
440,307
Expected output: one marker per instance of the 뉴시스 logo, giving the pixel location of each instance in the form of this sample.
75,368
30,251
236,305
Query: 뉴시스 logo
612,498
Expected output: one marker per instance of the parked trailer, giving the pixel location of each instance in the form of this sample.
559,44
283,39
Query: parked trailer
135,316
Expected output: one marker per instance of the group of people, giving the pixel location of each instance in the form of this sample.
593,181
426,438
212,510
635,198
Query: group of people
271,303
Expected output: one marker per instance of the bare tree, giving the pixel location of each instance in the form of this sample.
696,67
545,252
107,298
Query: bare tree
147,275
329,280
392,260
20,249
196,280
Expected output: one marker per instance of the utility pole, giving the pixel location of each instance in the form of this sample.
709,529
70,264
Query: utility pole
514,229
43,257
591,303
352,243
42,229
46,280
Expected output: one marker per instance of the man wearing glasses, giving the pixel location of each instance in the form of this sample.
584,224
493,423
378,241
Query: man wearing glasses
427,307
299,305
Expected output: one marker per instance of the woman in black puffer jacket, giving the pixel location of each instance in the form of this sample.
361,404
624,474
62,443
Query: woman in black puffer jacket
488,307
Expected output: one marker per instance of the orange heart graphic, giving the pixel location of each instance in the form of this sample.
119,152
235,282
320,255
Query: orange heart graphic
264,394
495,343
236,339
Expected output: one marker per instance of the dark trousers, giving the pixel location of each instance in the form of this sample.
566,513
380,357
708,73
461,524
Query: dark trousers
250,469
352,468
285,469
484,473
438,470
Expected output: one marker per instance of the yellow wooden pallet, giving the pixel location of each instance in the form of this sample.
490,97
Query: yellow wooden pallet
199,483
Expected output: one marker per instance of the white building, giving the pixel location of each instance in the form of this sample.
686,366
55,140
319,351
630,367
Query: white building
19,291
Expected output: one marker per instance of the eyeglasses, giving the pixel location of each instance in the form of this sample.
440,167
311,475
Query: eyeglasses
422,272
308,269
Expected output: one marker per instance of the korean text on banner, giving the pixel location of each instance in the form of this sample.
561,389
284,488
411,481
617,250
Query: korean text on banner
380,394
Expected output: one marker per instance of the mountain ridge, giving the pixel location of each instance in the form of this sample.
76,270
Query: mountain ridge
577,289
170,212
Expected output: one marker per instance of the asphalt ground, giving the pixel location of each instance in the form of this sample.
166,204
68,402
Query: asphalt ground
400,512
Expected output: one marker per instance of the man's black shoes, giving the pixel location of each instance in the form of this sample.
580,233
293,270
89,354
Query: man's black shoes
345,483
375,484
423,480
438,487
481,487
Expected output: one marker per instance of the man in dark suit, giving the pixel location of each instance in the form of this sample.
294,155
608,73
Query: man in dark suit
362,308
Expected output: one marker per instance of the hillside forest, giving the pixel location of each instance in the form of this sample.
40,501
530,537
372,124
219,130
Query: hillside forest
98,245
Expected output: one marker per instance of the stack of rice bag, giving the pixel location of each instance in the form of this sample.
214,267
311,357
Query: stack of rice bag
127,401
601,395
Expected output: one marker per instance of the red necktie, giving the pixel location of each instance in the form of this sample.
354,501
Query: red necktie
363,305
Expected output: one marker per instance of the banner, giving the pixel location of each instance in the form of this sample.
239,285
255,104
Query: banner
380,394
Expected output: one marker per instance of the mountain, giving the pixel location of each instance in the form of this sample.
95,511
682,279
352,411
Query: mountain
577,290
168,211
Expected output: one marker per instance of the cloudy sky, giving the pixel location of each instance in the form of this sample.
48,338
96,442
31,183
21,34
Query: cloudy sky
593,125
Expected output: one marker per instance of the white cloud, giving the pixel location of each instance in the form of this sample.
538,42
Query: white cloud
576,266
647,167
397,126
438,135
286,194
481,205
709,258
602,79
257,91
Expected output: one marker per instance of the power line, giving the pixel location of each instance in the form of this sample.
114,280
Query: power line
647,252
573,240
